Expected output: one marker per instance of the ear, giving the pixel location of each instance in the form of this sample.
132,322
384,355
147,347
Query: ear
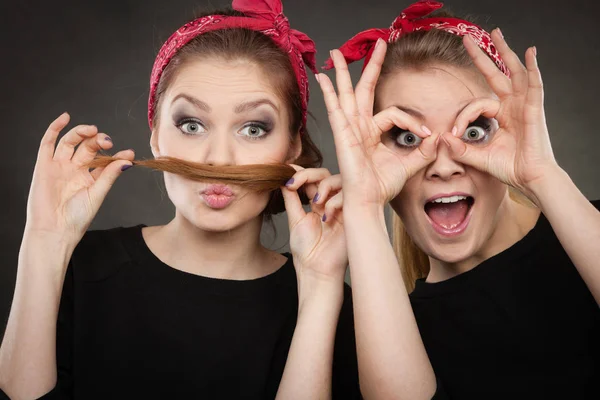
154,144
295,148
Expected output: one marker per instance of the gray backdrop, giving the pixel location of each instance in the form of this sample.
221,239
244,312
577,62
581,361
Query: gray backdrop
93,59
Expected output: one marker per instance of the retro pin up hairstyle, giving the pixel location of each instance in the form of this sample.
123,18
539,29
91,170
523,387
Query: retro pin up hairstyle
257,31
419,38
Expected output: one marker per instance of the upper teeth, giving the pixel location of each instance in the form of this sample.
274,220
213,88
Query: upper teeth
451,199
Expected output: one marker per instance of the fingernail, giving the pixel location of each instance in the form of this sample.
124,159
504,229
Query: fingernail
324,218
317,78
454,131
426,130
500,33
291,181
126,167
316,198
107,138
331,53
377,43
535,51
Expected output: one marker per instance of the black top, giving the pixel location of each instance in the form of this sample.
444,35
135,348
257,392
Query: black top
521,325
131,327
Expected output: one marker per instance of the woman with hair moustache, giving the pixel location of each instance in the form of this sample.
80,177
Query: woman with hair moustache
196,308
447,125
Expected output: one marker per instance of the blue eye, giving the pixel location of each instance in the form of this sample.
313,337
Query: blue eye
253,131
191,127
474,134
408,139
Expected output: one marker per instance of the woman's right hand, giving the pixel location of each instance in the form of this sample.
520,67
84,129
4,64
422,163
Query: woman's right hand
65,195
372,174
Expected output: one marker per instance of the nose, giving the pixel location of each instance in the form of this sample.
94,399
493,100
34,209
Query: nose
444,167
218,149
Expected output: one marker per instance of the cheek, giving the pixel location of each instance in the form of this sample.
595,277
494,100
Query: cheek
490,191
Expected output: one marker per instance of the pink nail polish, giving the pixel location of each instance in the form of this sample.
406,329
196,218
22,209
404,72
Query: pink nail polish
317,78
426,130
454,131
500,33
535,51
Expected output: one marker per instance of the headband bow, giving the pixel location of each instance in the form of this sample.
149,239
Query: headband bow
412,20
265,16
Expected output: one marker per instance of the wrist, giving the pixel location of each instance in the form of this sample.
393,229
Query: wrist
326,294
545,187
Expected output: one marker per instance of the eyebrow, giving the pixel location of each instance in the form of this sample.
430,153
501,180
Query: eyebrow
194,101
251,105
419,115
240,108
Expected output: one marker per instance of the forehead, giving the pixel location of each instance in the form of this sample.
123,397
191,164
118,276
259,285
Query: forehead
434,92
222,81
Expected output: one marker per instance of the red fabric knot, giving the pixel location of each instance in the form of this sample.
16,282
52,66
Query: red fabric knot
413,19
265,16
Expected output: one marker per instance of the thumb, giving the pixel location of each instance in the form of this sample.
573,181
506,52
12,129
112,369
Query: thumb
293,206
460,151
107,178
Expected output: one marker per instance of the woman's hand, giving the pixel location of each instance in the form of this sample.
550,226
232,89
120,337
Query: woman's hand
65,196
519,153
372,173
317,238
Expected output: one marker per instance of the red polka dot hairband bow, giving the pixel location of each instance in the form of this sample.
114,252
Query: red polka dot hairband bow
412,20
265,16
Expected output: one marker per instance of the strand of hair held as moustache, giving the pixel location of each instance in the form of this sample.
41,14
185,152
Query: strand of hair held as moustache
255,177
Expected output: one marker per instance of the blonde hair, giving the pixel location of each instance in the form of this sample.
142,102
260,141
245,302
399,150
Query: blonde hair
417,51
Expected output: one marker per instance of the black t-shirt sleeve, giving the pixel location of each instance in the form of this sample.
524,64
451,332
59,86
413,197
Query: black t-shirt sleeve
345,366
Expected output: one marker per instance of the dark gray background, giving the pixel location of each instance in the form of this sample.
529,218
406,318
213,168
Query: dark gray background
93,59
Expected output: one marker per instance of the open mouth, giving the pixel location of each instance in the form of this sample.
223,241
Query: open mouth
450,215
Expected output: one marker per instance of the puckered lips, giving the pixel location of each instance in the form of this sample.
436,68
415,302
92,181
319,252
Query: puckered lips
217,196
449,213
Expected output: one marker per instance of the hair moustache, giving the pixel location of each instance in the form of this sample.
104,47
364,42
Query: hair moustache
254,177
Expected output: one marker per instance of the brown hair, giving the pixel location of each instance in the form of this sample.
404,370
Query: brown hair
256,47
417,51
256,177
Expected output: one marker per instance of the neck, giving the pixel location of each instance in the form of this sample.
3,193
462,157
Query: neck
513,221
235,254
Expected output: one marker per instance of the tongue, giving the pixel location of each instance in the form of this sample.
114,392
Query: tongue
448,215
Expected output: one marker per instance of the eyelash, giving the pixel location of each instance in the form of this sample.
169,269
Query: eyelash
396,132
267,127
183,121
483,123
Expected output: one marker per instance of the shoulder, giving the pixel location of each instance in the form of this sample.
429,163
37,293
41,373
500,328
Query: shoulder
101,253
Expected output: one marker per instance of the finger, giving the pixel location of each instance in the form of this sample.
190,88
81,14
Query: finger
123,155
293,206
534,101
105,181
88,149
518,72
342,130
421,157
66,145
333,207
393,116
328,186
469,155
479,107
308,175
344,85
48,142
365,89
499,82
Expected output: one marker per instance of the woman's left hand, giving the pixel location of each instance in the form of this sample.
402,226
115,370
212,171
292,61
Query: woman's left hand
317,239
519,153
